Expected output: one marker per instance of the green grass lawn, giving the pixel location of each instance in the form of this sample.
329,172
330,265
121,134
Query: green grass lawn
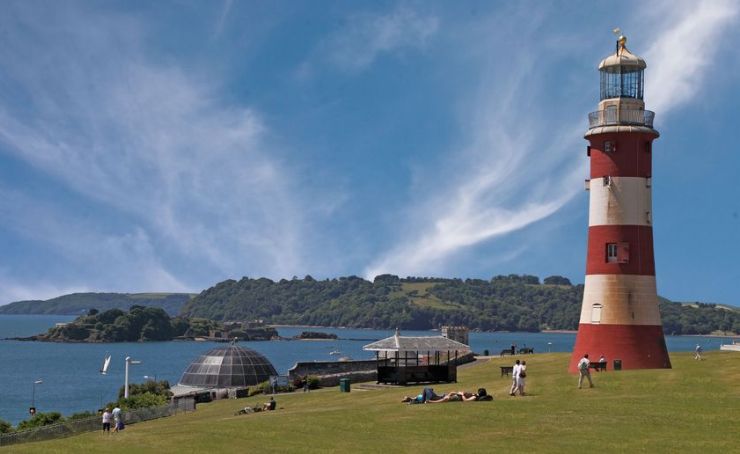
694,407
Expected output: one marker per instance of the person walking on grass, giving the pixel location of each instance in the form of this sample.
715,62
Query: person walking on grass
583,371
117,422
515,378
697,352
106,421
521,381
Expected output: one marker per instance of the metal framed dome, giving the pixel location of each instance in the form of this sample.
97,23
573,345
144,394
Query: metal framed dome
228,367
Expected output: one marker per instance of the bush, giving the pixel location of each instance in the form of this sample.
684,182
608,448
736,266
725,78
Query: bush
5,427
81,415
313,382
41,419
161,388
266,388
141,401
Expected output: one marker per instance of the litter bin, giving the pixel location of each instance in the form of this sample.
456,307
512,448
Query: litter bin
344,385
617,364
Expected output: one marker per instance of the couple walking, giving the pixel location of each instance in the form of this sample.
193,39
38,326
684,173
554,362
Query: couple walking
519,376
117,418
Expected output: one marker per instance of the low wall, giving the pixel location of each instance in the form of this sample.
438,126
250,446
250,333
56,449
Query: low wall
329,372
326,368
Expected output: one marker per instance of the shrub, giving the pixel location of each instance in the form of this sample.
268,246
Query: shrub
266,388
142,401
81,415
5,427
313,382
41,419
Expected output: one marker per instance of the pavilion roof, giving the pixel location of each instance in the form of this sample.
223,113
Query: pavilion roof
416,343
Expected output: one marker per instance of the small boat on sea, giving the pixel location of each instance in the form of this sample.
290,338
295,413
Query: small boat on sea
105,366
335,352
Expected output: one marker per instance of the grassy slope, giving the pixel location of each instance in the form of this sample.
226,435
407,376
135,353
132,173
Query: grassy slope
686,409
419,296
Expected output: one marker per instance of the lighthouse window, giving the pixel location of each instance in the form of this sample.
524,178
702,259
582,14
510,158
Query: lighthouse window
596,313
611,252
610,147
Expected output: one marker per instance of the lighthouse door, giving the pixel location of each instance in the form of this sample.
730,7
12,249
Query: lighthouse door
596,313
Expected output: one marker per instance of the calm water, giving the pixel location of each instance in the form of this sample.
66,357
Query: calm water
71,381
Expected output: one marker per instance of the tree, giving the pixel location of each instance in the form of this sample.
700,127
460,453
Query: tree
556,280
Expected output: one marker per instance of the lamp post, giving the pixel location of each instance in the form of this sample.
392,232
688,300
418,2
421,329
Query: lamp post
33,393
125,383
549,345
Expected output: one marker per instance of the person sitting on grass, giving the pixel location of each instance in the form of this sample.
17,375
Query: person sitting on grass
269,405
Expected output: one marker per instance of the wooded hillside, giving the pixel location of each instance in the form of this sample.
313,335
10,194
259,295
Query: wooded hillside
513,303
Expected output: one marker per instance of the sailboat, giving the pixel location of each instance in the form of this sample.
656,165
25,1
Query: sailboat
106,365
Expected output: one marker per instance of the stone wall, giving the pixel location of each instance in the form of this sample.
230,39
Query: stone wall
322,368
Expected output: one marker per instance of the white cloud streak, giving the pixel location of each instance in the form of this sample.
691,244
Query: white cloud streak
367,36
510,180
690,34
194,178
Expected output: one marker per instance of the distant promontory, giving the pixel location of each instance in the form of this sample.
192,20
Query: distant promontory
80,303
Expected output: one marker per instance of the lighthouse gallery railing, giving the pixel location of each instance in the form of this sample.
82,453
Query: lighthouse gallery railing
609,117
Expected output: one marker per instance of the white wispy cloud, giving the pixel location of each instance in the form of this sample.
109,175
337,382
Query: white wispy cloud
366,36
221,22
195,177
515,173
690,34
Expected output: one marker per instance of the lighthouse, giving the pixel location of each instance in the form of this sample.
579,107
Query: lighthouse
620,318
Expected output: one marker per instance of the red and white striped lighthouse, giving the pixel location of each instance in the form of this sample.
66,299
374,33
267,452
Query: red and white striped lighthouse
619,315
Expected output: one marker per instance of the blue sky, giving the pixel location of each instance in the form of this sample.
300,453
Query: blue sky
166,146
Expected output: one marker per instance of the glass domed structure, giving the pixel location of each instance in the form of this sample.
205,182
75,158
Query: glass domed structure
228,367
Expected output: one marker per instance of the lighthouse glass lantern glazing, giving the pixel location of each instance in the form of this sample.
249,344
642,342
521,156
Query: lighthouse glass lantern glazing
621,82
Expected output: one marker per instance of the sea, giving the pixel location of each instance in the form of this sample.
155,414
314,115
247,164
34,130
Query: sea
69,380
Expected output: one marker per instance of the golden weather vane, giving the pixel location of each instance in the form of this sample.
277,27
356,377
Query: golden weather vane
621,40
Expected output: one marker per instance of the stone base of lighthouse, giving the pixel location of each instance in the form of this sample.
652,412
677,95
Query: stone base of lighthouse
637,346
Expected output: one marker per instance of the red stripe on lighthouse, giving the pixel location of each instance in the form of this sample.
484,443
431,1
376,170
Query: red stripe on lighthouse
637,346
639,240
630,156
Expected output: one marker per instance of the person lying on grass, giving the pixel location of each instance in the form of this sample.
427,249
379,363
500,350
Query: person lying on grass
463,396
428,396
425,395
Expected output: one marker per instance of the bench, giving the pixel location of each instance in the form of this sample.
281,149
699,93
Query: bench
597,366
506,370
506,351
526,351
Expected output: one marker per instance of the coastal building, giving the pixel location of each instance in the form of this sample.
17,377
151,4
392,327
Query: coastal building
619,314
225,368
416,359
457,333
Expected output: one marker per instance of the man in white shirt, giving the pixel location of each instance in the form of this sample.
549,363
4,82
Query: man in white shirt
116,413
515,378
583,371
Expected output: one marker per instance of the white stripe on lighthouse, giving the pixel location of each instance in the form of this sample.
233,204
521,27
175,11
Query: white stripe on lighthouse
620,201
620,299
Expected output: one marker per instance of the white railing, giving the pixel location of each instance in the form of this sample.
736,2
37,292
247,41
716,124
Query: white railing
608,117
